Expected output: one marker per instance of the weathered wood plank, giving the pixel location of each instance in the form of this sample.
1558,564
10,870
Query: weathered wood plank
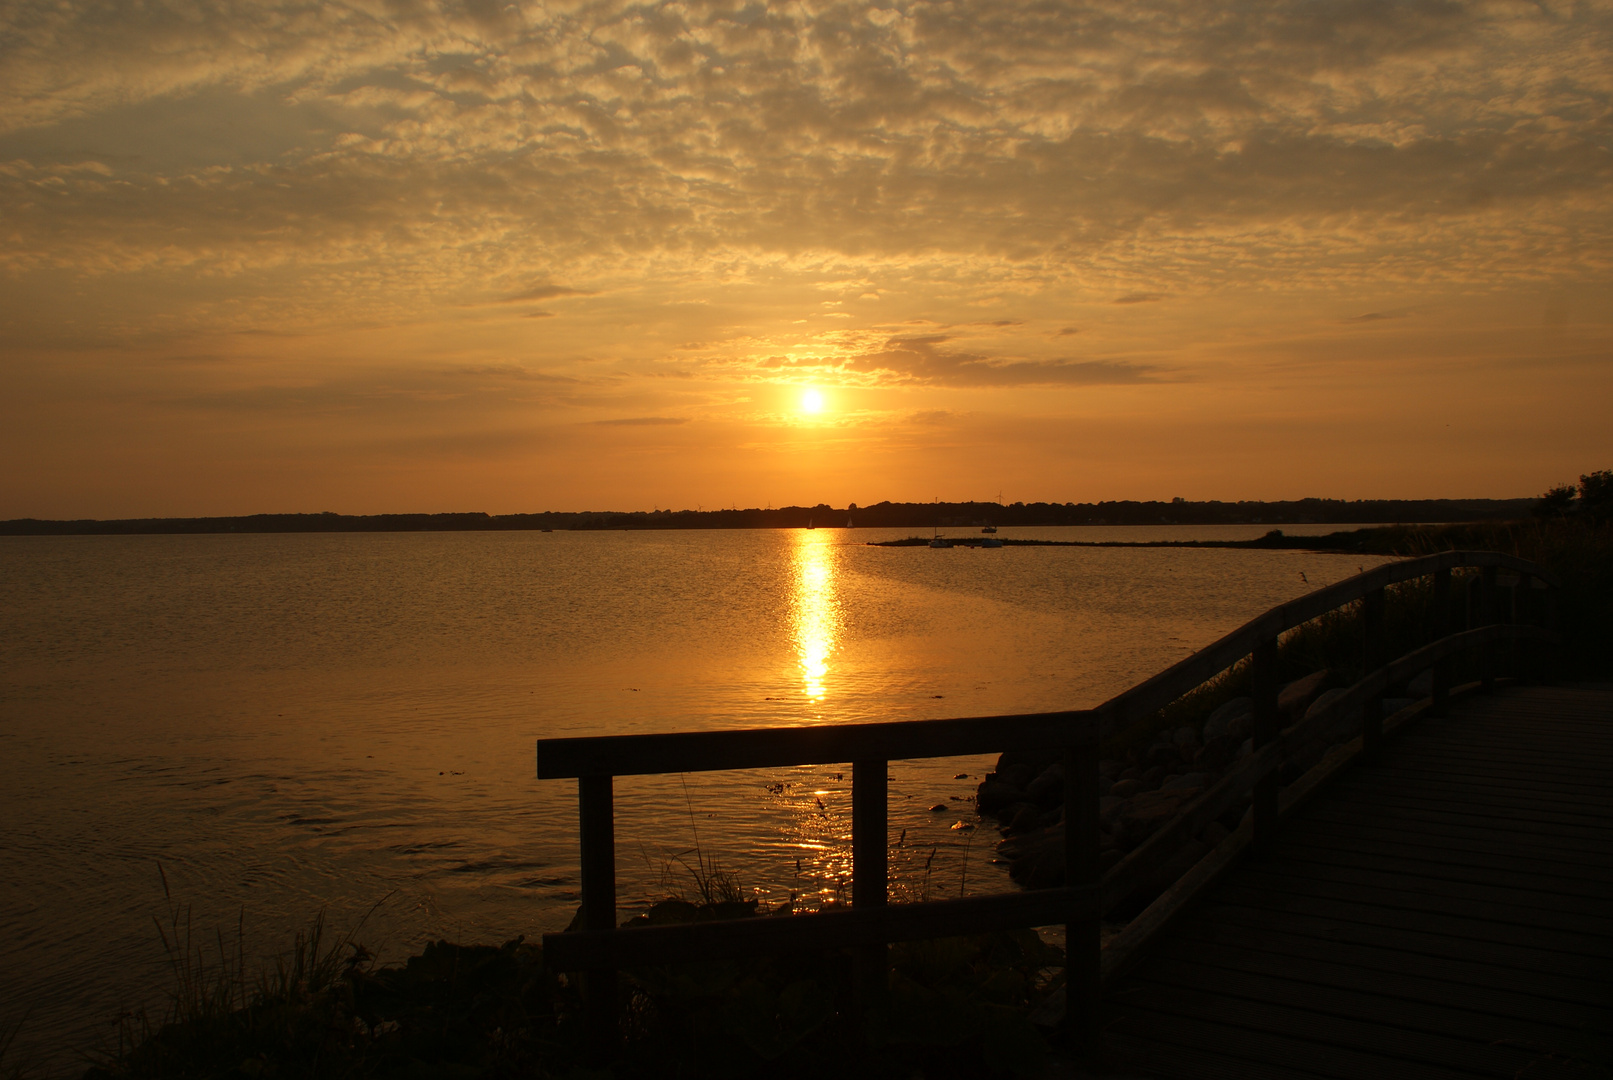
1268,1049
1476,853
1470,889
1306,986
1428,863
1455,826
1501,777
1547,973
1169,1060
1286,894
1588,801
1483,987
764,748
1486,811
1336,1034
1593,935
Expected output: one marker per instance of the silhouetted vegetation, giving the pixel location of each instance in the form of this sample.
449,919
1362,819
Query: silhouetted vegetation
326,1009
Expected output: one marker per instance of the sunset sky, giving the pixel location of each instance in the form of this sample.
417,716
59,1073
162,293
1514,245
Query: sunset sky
399,255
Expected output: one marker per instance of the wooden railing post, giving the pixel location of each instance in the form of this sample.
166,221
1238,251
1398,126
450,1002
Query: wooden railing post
1264,694
1487,653
1441,691
1083,934
1373,649
1548,621
870,873
598,829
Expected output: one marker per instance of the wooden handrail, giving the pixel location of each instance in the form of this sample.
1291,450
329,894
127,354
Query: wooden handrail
768,748
600,947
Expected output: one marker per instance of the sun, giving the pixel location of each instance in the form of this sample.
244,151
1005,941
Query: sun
812,401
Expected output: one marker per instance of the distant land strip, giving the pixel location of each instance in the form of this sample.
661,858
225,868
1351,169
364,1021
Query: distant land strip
1379,539
884,515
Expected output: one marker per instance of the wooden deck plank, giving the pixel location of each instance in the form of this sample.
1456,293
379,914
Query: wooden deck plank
1547,974
1446,910
1380,999
1456,826
1478,853
1589,915
1560,823
1216,1035
1428,862
1335,1033
1414,909
1501,779
1157,1058
1595,805
1480,986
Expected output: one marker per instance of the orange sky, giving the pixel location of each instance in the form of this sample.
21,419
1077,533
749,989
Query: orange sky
391,255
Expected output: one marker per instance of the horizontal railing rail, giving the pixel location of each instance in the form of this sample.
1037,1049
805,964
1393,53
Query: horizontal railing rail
768,748
600,947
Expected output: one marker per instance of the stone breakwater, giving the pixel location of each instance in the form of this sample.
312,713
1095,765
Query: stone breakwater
1140,792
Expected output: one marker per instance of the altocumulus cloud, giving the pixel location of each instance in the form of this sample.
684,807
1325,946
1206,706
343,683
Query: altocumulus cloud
462,151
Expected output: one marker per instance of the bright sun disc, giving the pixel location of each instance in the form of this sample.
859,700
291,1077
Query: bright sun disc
812,401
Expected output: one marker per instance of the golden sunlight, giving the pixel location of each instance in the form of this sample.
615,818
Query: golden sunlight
815,609
812,401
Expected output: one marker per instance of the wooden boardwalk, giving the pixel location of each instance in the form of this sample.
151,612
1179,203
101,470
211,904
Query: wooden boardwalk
1446,912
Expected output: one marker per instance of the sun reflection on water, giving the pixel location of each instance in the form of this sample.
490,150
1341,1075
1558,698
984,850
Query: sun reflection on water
815,609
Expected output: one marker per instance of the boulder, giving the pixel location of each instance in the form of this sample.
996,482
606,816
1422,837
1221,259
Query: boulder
1019,774
1136,819
1034,762
1323,700
1125,789
1163,755
1025,818
1189,780
1216,725
1047,790
996,794
1241,727
1185,739
1297,695
1247,748
1213,755
1036,860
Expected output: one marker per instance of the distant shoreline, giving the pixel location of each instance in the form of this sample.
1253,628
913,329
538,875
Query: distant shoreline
1355,541
884,515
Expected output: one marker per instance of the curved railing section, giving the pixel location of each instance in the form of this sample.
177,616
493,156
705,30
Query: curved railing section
599,947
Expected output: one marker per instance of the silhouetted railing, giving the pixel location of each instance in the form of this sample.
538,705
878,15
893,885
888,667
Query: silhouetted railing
600,947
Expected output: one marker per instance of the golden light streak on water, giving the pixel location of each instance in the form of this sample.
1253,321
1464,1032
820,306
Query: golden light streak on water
815,609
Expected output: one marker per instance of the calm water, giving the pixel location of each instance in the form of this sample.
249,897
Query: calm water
294,723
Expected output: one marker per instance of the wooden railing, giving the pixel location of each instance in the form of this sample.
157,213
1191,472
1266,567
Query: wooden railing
599,948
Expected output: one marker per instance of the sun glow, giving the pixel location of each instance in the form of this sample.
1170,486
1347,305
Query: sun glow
812,401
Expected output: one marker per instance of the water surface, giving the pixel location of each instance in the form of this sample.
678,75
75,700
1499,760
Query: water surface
291,723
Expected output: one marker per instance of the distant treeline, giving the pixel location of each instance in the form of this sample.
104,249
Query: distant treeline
823,516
